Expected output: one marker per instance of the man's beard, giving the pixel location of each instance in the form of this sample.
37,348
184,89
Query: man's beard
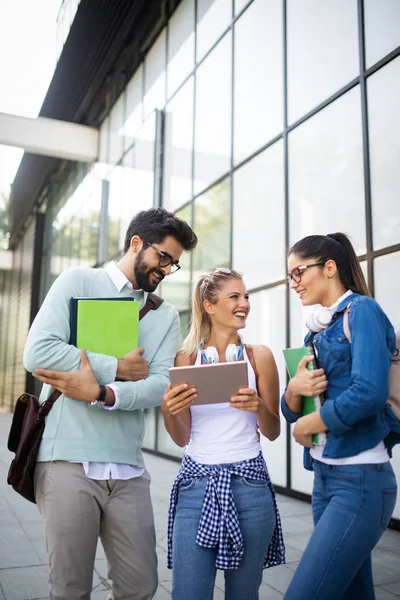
142,274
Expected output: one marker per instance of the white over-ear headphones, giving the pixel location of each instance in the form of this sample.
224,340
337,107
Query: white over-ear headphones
321,317
232,353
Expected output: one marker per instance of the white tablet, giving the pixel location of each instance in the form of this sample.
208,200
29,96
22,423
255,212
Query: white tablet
214,383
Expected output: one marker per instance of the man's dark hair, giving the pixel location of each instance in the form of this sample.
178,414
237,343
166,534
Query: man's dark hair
155,224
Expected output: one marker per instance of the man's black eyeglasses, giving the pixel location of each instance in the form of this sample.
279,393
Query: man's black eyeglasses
297,273
165,259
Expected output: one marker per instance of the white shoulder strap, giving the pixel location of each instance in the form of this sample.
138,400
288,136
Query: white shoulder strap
346,327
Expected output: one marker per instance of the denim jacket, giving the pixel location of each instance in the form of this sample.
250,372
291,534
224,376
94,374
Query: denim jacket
355,408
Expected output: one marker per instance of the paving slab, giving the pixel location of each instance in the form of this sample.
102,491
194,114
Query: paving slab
393,588
24,583
23,557
382,594
278,578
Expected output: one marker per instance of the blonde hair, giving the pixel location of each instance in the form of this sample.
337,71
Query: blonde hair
207,288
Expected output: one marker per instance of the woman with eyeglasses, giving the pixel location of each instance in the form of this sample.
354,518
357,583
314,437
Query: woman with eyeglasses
223,512
355,489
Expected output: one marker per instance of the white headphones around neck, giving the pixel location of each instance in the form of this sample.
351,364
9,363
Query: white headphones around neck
232,353
321,317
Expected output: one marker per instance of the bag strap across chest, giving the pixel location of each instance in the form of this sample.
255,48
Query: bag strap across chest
152,303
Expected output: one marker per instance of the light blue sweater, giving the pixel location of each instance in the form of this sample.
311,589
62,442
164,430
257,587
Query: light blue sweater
74,431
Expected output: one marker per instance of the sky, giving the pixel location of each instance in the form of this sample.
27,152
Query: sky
27,62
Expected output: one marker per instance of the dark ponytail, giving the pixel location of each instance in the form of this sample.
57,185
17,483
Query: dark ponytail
337,247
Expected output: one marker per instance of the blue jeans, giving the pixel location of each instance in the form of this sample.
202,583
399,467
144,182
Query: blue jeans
352,506
193,572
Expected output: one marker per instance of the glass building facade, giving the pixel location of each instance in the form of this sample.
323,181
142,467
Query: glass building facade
258,122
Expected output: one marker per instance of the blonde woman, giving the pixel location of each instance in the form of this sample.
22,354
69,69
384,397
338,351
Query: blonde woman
223,512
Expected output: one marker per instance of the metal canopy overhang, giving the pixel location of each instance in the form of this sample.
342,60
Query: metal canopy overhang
105,45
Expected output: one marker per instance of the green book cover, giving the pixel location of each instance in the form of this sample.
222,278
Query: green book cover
105,325
309,403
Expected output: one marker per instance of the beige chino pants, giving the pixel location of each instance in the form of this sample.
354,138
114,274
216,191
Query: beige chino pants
77,510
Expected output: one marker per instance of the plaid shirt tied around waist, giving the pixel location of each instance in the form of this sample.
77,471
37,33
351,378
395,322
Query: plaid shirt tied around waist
219,523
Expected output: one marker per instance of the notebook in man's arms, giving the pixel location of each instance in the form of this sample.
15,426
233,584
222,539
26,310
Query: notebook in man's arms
105,325
309,403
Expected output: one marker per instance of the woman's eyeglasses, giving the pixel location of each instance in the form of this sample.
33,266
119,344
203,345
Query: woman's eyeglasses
297,273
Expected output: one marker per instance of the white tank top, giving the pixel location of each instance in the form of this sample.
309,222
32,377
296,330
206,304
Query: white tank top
221,434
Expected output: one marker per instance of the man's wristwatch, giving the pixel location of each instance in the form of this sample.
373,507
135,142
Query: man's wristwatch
101,398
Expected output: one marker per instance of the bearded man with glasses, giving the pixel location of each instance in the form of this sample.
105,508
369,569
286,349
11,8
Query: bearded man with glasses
90,478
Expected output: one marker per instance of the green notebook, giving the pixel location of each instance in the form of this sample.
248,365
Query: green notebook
105,325
309,403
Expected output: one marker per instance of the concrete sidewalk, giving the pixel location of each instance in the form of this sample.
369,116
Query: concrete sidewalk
23,558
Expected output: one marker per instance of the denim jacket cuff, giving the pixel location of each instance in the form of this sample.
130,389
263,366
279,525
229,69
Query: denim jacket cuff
290,416
331,420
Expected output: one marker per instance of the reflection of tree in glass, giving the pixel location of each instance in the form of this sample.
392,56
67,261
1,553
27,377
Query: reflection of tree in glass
212,225
78,239
4,222
184,317
113,236
175,289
